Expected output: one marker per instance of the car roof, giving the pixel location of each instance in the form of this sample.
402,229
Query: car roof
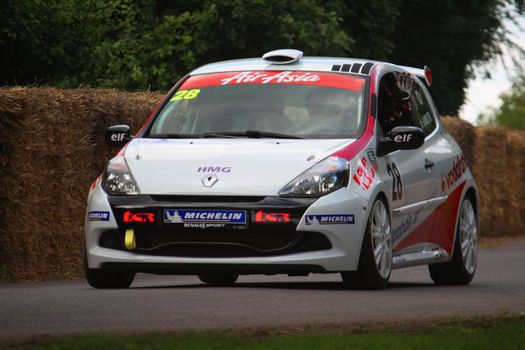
296,61
321,64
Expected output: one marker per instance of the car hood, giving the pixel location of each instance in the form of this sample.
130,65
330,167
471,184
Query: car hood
257,167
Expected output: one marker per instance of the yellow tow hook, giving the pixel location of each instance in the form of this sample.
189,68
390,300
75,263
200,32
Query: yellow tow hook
129,239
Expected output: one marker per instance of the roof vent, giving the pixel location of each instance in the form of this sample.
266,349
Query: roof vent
283,56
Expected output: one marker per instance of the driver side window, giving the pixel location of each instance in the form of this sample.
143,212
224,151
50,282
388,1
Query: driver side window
393,105
403,102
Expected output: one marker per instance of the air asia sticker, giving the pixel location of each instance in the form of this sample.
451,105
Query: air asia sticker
267,77
459,166
340,81
98,216
329,219
204,218
365,173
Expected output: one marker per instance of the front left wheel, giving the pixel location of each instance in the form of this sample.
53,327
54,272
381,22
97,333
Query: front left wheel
219,279
375,260
107,279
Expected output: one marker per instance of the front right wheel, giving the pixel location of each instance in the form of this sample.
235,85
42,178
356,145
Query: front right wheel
460,270
375,260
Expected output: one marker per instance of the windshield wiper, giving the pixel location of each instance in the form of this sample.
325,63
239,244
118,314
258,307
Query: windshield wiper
251,134
176,136
227,134
194,136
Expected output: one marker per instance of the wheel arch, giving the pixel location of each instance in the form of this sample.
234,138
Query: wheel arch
373,197
471,193
384,196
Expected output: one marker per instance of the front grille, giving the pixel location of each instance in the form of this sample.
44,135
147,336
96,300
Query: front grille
270,227
204,243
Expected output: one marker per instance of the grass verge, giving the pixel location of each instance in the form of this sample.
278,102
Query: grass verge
502,332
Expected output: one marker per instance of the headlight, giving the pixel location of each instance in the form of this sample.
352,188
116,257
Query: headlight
327,176
118,180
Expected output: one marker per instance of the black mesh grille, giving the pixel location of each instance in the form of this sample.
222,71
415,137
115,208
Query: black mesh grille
256,237
226,246
218,244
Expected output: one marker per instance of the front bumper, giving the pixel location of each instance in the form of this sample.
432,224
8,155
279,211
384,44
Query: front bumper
291,246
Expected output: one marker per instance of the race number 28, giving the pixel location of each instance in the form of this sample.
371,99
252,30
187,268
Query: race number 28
397,185
185,94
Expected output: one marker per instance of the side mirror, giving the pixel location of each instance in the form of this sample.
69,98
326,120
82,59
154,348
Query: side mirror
401,137
118,135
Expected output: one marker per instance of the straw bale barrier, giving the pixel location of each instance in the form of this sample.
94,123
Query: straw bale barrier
500,174
465,134
52,148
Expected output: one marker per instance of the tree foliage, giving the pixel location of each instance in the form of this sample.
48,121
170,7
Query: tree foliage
141,44
451,37
511,114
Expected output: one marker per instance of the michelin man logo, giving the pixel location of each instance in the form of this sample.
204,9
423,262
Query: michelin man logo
174,218
312,220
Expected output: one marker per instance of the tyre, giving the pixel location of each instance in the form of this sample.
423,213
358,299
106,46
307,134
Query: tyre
107,279
216,279
375,260
460,270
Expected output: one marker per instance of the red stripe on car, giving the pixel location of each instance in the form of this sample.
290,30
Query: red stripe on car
350,151
440,226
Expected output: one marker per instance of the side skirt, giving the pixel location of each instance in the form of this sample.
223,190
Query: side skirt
430,254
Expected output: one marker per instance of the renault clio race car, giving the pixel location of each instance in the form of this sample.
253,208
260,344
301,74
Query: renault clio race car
286,165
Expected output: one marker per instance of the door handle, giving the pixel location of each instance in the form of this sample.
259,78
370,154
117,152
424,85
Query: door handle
428,163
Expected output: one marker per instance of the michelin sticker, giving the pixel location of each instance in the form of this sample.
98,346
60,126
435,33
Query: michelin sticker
329,219
204,218
98,216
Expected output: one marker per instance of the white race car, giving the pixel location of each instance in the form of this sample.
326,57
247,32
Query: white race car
286,165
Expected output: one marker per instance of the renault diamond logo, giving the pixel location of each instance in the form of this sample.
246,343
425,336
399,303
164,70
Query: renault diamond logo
209,180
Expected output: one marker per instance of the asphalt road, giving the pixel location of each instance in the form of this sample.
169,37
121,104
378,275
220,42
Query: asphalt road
175,303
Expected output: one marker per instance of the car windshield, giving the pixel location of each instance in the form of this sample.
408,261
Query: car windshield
282,104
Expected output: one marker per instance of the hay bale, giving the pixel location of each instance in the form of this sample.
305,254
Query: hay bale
514,207
499,173
54,149
465,135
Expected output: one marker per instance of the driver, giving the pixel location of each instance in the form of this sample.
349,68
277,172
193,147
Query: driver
393,109
329,111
